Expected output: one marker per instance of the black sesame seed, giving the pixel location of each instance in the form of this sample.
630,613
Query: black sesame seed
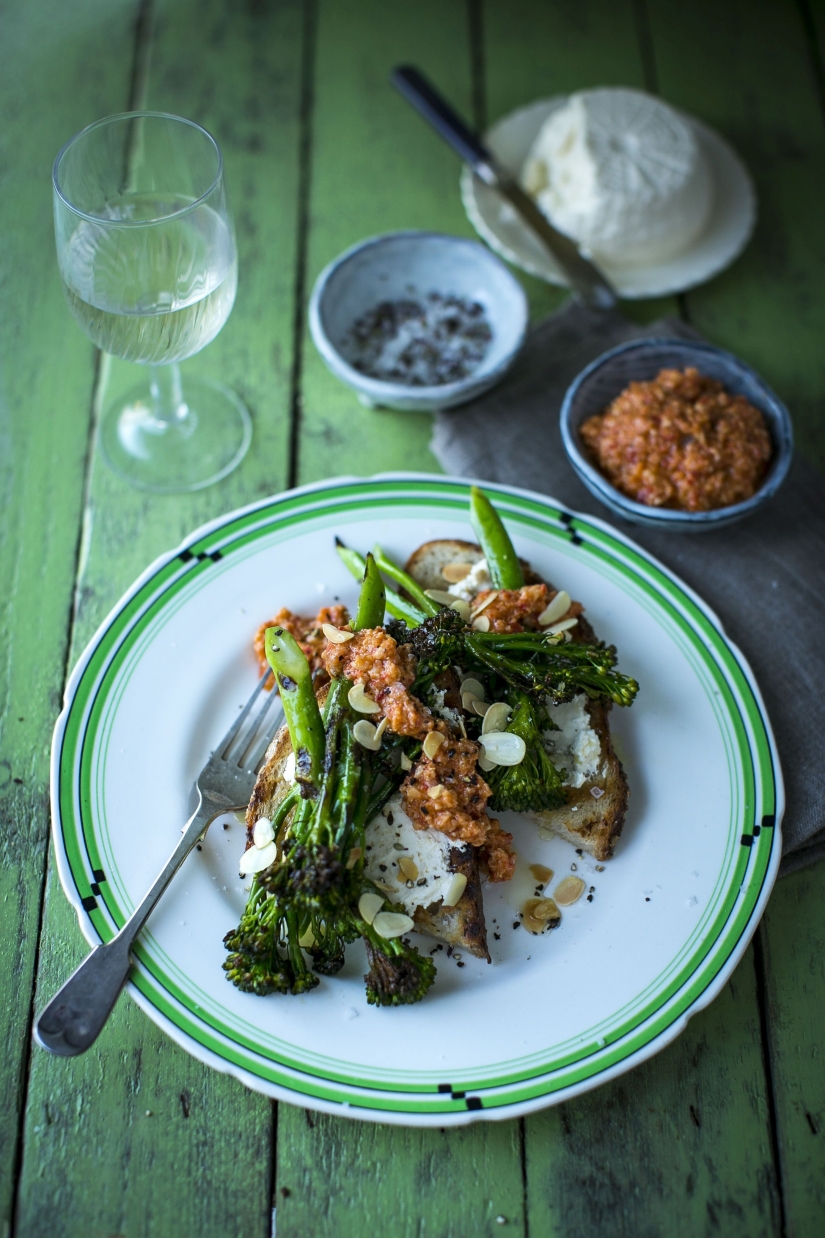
516,924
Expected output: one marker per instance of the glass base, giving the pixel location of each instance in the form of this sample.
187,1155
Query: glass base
204,442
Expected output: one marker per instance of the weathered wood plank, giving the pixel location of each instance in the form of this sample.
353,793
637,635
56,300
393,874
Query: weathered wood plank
351,1179
79,57
744,68
97,1164
375,168
793,936
681,1146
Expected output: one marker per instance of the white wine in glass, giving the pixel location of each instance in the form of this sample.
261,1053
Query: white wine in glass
150,270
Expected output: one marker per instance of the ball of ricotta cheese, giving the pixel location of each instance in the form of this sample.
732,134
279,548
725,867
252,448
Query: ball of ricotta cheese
623,174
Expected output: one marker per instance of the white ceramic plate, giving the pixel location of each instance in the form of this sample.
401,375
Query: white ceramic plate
729,227
554,1015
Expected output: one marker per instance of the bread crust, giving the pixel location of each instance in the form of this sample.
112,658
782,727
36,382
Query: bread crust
592,823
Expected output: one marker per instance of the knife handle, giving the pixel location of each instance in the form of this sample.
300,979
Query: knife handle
434,108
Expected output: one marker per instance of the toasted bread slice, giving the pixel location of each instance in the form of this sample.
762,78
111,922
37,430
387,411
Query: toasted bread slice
588,820
459,926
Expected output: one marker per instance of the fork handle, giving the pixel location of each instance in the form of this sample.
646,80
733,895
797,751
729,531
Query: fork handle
76,1014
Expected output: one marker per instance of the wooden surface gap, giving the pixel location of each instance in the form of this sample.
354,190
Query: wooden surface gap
770,1083
139,79
814,54
646,52
308,62
525,1199
478,84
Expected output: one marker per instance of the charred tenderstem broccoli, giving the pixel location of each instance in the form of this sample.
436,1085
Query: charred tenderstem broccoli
308,899
534,784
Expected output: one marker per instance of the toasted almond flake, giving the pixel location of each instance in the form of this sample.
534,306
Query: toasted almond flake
568,891
541,873
432,744
447,599
482,624
354,856
546,833
262,832
383,885
503,748
361,702
477,707
473,686
406,763
256,859
496,717
539,914
596,792
391,924
435,791
408,867
484,764
367,735
461,608
289,768
369,905
564,626
483,605
455,890
307,939
381,728
454,572
337,636
555,608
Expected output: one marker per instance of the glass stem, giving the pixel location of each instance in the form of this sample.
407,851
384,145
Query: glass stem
168,404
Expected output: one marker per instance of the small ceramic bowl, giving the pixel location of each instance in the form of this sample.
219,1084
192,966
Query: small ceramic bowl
609,374
408,265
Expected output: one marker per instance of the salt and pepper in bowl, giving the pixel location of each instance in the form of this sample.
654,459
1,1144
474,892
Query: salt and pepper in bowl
418,320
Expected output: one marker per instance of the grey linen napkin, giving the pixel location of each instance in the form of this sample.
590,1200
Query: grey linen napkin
764,577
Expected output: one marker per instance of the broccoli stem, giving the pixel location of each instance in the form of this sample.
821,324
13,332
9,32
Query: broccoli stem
502,560
397,606
427,605
303,717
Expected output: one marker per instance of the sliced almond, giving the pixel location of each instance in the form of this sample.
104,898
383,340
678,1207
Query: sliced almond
262,832
409,868
541,873
256,859
369,736
289,768
491,597
369,905
336,636
391,924
482,624
555,608
496,717
564,626
307,939
455,890
539,914
435,791
568,891
454,572
462,608
406,763
448,599
484,764
354,856
503,748
474,686
361,702
432,743
477,707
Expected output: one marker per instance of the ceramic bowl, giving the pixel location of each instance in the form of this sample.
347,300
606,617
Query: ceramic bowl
413,264
609,374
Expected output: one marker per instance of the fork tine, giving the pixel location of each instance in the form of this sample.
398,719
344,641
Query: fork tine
249,736
253,759
229,738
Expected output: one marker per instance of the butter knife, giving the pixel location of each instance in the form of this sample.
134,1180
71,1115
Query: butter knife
586,281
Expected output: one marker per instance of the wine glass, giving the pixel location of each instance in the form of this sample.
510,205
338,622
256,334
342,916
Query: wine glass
146,250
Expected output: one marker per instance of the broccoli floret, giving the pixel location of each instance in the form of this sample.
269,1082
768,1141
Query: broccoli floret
332,936
398,974
532,662
535,784
265,956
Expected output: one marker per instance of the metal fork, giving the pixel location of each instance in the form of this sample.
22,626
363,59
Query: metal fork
74,1017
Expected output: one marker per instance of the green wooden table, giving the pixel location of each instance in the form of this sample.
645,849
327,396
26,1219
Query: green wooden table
722,1133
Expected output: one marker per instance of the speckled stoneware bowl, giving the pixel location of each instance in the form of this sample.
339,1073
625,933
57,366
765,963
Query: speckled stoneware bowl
609,374
413,264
